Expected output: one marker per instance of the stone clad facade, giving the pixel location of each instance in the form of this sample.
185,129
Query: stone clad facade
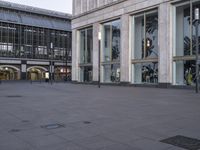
83,6
157,48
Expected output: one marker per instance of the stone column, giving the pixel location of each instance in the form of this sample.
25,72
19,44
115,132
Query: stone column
23,69
52,69
125,50
75,56
165,45
96,28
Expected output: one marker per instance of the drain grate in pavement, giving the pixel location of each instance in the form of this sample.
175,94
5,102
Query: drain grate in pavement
13,96
53,126
14,130
183,142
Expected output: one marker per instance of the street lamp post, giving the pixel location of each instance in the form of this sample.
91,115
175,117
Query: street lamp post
99,61
197,48
51,64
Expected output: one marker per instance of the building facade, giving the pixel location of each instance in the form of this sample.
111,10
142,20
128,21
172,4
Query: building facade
26,34
142,42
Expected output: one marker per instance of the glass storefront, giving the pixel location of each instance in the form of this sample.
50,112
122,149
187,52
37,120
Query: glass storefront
185,51
145,48
146,72
111,51
86,53
112,73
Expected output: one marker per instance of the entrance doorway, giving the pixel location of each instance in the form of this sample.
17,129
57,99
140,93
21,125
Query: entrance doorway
36,73
9,73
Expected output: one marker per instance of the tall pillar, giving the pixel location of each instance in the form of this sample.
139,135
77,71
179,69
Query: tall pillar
75,56
96,28
165,45
125,50
23,69
52,69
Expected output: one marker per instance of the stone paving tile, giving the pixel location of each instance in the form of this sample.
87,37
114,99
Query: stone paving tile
146,144
62,146
10,142
121,117
147,133
119,147
175,148
125,137
31,133
93,143
46,140
72,134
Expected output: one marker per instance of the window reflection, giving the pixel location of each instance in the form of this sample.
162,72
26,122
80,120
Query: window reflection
86,45
145,39
186,72
111,51
185,44
86,52
146,73
111,41
146,33
112,73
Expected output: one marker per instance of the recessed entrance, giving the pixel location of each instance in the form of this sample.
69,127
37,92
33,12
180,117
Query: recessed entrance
36,73
9,73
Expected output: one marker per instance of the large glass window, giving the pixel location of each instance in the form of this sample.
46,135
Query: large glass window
33,42
145,47
86,45
86,52
111,51
185,49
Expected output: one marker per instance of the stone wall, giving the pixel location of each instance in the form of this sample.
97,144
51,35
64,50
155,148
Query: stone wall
83,6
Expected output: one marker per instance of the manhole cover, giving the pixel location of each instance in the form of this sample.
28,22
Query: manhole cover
14,130
53,126
13,96
87,122
183,142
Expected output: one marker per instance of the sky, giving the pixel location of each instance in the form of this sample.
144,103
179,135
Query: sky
57,5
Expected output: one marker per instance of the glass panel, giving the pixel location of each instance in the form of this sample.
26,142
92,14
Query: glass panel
185,73
107,43
82,46
89,45
146,73
139,37
195,5
146,45
151,35
111,49
185,30
86,45
116,40
112,73
86,74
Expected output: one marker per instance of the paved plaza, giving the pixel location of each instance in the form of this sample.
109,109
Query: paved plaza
66,116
